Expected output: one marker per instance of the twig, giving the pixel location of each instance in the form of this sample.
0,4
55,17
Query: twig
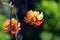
11,7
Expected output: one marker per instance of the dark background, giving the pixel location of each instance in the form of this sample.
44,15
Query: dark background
28,32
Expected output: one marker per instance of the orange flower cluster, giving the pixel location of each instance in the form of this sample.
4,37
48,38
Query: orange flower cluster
34,18
10,26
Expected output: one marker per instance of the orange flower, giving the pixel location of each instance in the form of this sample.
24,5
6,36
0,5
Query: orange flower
34,18
11,28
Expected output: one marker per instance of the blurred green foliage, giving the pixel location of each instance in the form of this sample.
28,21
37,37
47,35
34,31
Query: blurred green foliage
5,13
51,25
51,14
2,19
56,37
3,35
6,10
46,35
6,1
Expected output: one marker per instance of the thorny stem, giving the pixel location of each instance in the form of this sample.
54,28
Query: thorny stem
12,11
17,24
12,7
